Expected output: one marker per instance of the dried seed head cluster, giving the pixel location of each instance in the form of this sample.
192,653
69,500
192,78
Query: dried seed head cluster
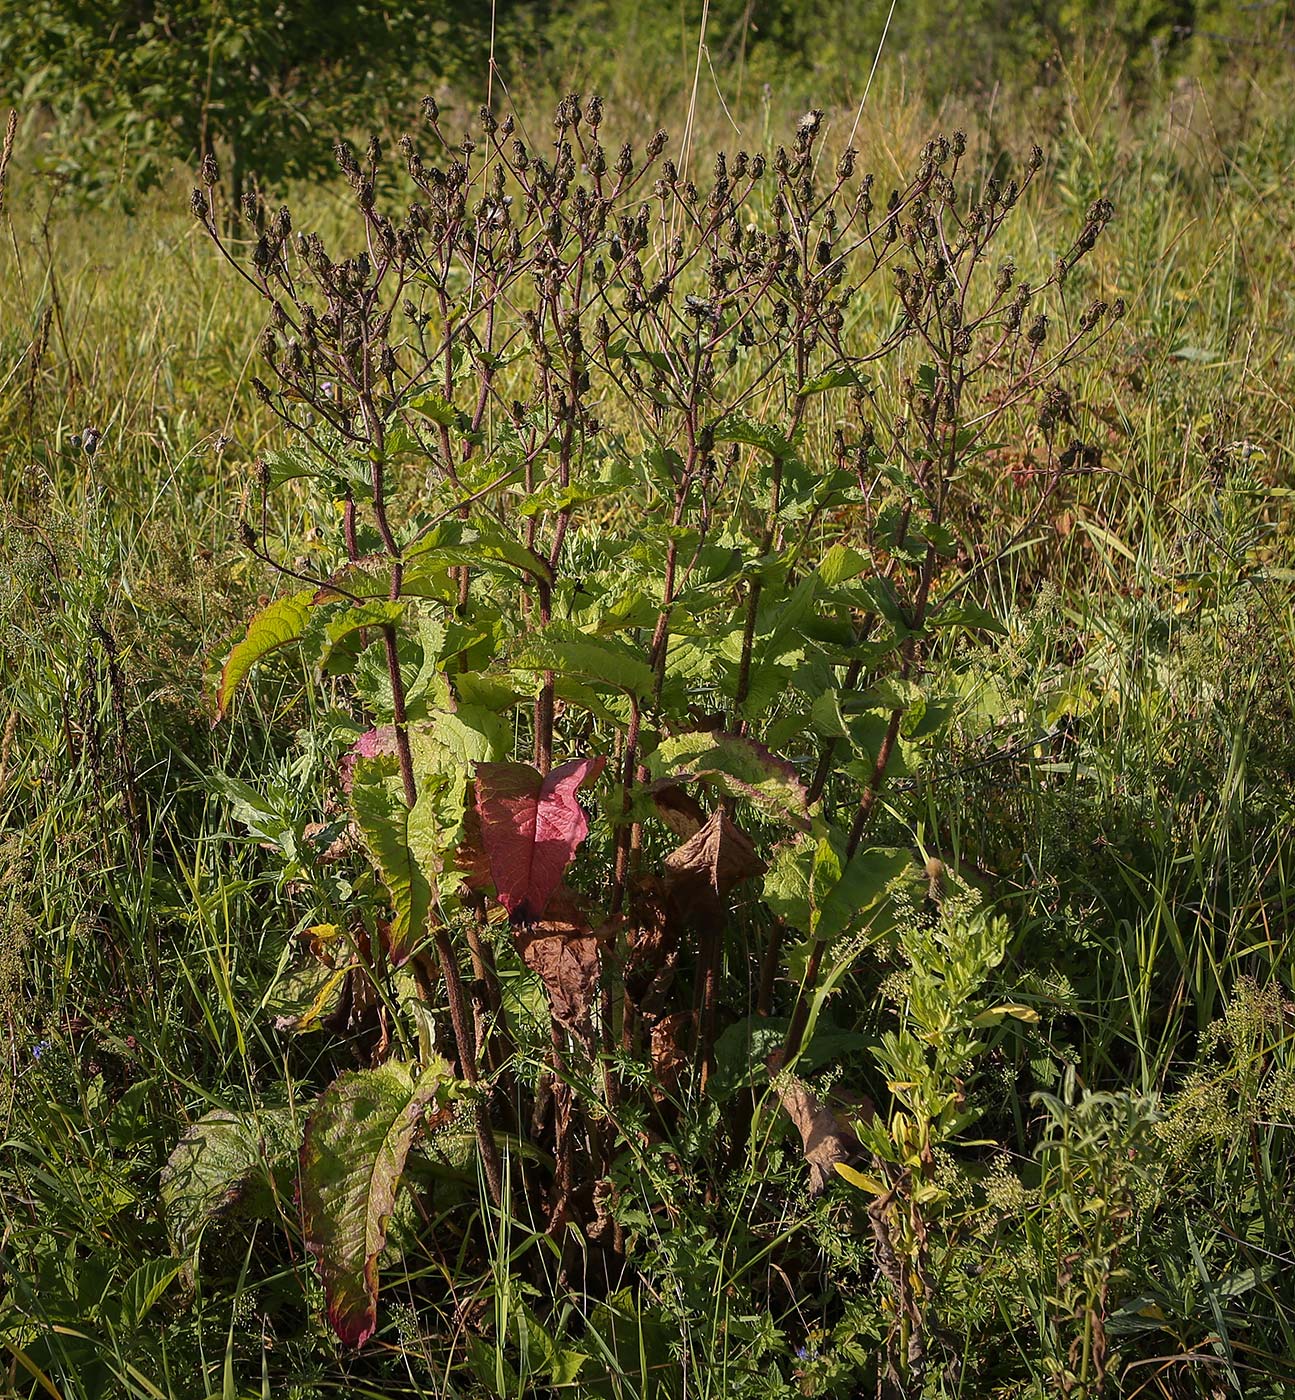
541,283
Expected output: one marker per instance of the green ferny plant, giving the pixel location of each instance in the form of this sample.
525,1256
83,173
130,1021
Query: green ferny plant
930,1061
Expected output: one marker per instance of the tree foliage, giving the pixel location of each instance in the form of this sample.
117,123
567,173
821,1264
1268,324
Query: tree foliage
266,86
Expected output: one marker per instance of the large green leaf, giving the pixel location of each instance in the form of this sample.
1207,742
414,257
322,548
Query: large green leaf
859,889
388,827
283,621
352,1159
737,766
789,883
469,735
598,660
814,889
738,428
334,631
436,407
840,564
225,1162
491,548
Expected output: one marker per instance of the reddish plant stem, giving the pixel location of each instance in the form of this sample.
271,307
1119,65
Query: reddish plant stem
348,527
769,968
464,1041
629,769
544,706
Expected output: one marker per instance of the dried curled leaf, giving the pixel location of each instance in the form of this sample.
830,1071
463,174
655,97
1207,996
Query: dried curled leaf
672,1039
681,812
718,857
562,951
826,1142
652,937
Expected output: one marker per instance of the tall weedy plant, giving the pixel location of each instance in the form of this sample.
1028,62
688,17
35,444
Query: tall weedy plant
649,493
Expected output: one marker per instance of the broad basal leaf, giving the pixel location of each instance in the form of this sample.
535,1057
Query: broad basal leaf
530,829
357,1140
225,1162
283,621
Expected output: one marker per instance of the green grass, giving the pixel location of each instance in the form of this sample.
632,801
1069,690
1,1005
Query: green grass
1117,781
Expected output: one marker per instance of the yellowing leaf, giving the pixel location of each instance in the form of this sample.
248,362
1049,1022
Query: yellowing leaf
861,1179
283,621
1013,1009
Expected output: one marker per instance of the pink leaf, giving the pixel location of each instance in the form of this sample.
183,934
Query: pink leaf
530,829
373,743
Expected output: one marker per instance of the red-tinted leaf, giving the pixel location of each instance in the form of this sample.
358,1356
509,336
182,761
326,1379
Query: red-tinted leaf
357,1139
373,743
470,856
530,829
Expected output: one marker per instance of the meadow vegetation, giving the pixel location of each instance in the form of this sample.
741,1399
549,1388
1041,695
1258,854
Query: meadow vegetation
646,739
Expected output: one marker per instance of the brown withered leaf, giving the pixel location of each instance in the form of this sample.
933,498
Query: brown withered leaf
680,811
651,933
652,937
341,845
355,1013
826,1142
603,1229
672,1038
562,951
567,964
719,856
